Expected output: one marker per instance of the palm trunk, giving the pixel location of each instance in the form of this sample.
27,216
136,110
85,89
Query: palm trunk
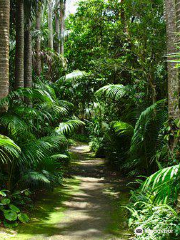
62,23
19,61
57,28
28,57
38,63
178,16
173,79
4,47
50,23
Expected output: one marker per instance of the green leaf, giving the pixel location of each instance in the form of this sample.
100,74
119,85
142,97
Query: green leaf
10,215
23,217
14,208
10,224
5,201
2,193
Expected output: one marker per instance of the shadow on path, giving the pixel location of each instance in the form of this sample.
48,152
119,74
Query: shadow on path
89,206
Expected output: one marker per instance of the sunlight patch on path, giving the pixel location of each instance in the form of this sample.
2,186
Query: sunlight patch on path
88,207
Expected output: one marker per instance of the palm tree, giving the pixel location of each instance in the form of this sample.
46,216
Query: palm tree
4,47
173,81
38,67
28,56
50,23
57,28
19,61
178,15
62,23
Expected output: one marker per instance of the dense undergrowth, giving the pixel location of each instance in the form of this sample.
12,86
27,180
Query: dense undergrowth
105,77
35,155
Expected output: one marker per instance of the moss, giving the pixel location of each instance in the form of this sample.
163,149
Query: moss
47,213
119,215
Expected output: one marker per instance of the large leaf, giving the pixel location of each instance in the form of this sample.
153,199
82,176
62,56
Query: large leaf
112,91
23,217
10,215
69,127
8,149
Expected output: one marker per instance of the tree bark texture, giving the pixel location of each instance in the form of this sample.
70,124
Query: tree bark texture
28,56
4,47
173,78
50,23
38,63
19,58
62,23
57,28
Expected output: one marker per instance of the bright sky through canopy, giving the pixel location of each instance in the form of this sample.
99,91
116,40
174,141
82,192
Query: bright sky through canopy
71,6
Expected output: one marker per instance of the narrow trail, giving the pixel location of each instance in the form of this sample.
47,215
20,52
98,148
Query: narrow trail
88,208
95,211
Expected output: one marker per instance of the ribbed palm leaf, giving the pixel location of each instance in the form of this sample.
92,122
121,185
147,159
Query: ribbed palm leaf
122,128
146,139
8,149
163,184
14,124
37,150
112,91
69,127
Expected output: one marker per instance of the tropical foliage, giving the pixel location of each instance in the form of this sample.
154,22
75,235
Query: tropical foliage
98,75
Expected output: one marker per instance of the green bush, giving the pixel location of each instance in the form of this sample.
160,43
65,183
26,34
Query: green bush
10,214
158,221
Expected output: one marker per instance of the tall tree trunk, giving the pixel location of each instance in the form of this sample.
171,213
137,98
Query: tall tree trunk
173,73
62,23
173,79
19,61
57,28
50,23
4,47
178,16
38,63
28,56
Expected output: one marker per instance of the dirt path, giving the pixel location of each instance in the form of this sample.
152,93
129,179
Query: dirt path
88,208
95,211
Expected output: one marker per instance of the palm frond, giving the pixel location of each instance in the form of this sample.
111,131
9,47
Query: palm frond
14,124
8,149
162,183
146,139
122,128
112,91
37,150
34,178
69,127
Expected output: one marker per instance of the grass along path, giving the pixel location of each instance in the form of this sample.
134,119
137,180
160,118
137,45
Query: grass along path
88,206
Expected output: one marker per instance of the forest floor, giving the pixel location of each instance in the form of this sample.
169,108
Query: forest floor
89,206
